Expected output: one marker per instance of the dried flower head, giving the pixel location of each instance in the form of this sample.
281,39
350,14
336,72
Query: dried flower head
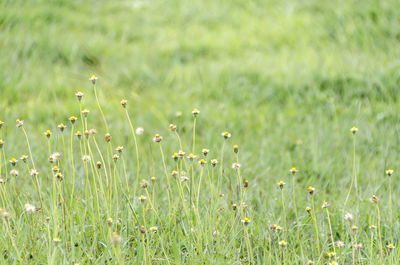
34,172
172,127
374,199
157,138
107,137
348,217
85,112
234,207
29,208
245,183
86,158
339,244
235,166
325,205
116,238
124,102
55,156
144,184
20,123
14,172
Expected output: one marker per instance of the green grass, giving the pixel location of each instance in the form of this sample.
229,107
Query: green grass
288,79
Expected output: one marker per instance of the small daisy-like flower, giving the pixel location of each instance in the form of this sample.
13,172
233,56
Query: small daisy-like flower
281,184
115,157
61,126
119,149
372,227
191,157
157,138
235,149
85,112
181,153
78,134
226,135
14,173
142,198
246,221
24,158
278,228
153,229
59,176
308,209
107,137
310,190
56,240
124,102
79,95
184,178
98,164
1,143
354,130
390,246
172,127
235,166
142,230
374,199
348,217
195,112
55,169
116,238
214,162
331,254
282,243
354,228
234,207
72,119
20,123
245,183
389,172
86,158
325,205
29,208
339,244
13,161
144,184
174,173
175,156
139,131
87,133
93,78
202,162
205,151
34,172
293,170
92,131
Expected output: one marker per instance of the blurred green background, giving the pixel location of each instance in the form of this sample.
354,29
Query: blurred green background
287,78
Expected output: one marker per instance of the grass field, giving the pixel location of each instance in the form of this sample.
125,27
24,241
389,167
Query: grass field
288,79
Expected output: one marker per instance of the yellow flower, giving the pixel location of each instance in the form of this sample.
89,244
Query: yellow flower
61,126
93,78
79,95
310,190
354,130
281,184
235,148
226,135
195,112
282,243
389,172
124,102
246,221
73,119
293,170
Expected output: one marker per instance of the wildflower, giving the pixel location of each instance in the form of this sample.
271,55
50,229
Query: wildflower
14,172
144,184
325,205
235,148
195,112
331,254
245,183
310,190
139,131
30,208
55,156
174,173
24,158
246,221
73,119
234,207
372,227
205,151
281,184
333,263
107,137
86,133
124,102
98,164
348,217
374,199
153,179
93,78
339,244
235,166
215,233
79,95
358,245
86,158
390,246
20,123
278,228
56,240
202,162
47,218
308,209
142,198
191,157
1,124
61,126
6,215
172,127
157,138
293,170
78,134
2,181
184,177
310,262
115,157
353,130
389,172
13,161
119,149
282,243
34,172
85,112
226,135
51,160
109,221
354,228
142,230
181,153
1,143
55,169
116,238
175,156
214,162
59,176
153,229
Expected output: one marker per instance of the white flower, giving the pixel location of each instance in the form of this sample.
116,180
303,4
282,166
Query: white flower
235,166
14,173
34,172
348,217
139,131
55,156
86,158
30,208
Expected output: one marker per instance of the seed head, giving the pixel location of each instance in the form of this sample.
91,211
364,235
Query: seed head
107,137
157,138
172,127
374,199
236,166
